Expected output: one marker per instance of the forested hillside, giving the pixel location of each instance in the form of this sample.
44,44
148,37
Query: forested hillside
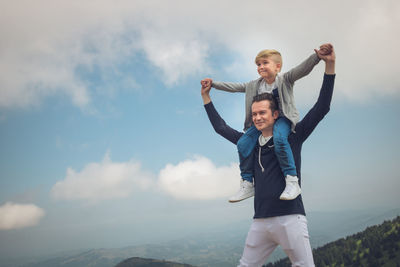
140,262
376,246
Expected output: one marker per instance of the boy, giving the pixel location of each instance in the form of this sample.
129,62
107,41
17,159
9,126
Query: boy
269,64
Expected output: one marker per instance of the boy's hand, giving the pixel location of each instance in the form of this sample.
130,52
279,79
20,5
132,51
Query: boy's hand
331,57
206,82
325,49
329,61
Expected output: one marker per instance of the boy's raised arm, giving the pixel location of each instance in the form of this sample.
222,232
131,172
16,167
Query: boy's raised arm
302,70
225,86
230,87
307,65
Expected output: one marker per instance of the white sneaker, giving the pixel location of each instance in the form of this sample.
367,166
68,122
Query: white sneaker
292,189
246,190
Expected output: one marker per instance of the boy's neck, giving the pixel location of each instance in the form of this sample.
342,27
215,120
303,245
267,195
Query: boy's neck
270,80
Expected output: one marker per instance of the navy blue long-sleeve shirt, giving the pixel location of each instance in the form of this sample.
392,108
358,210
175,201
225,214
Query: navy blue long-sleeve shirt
270,183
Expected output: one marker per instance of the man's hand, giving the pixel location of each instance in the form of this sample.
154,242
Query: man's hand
205,92
206,82
329,61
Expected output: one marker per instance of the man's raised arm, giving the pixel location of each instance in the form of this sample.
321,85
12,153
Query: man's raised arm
305,127
217,122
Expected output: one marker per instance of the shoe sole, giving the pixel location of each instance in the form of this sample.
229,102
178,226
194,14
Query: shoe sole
234,201
285,198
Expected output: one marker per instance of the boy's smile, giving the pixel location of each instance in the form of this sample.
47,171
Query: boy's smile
268,69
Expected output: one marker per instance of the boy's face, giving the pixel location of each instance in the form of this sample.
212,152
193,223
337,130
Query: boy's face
268,68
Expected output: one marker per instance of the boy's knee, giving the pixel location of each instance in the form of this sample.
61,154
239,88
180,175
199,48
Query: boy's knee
241,142
280,141
245,148
244,152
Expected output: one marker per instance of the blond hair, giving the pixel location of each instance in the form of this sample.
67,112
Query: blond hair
270,53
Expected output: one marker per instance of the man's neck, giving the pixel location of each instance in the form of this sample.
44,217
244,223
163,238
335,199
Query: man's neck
266,133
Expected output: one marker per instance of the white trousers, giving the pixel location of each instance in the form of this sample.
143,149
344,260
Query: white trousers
289,231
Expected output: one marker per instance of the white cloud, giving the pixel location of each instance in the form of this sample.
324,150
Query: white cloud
366,60
101,181
48,42
40,55
199,178
176,59
196,178
15,216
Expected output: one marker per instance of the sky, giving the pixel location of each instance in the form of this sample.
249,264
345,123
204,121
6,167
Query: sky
103,135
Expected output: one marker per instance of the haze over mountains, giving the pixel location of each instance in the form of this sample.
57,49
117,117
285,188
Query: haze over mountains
222,247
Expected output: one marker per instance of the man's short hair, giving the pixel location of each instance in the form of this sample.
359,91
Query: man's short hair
269,97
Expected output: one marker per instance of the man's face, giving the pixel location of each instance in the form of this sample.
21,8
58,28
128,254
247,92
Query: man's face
267,68
263,118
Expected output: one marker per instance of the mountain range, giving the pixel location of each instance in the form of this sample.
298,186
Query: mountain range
222,247
140,262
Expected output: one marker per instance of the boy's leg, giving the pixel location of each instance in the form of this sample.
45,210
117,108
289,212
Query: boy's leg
246,145
248,141
246,189
283,151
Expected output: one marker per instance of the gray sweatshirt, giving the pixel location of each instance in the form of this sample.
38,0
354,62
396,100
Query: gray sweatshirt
284,83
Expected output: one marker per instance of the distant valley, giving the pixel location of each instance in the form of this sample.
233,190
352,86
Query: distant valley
221,248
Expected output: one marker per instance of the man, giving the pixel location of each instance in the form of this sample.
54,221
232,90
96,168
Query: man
276,222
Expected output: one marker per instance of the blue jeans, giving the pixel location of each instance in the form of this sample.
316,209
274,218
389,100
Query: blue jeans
245,146
248,141
283,151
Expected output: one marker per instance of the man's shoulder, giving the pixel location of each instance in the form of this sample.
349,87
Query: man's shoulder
293,137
